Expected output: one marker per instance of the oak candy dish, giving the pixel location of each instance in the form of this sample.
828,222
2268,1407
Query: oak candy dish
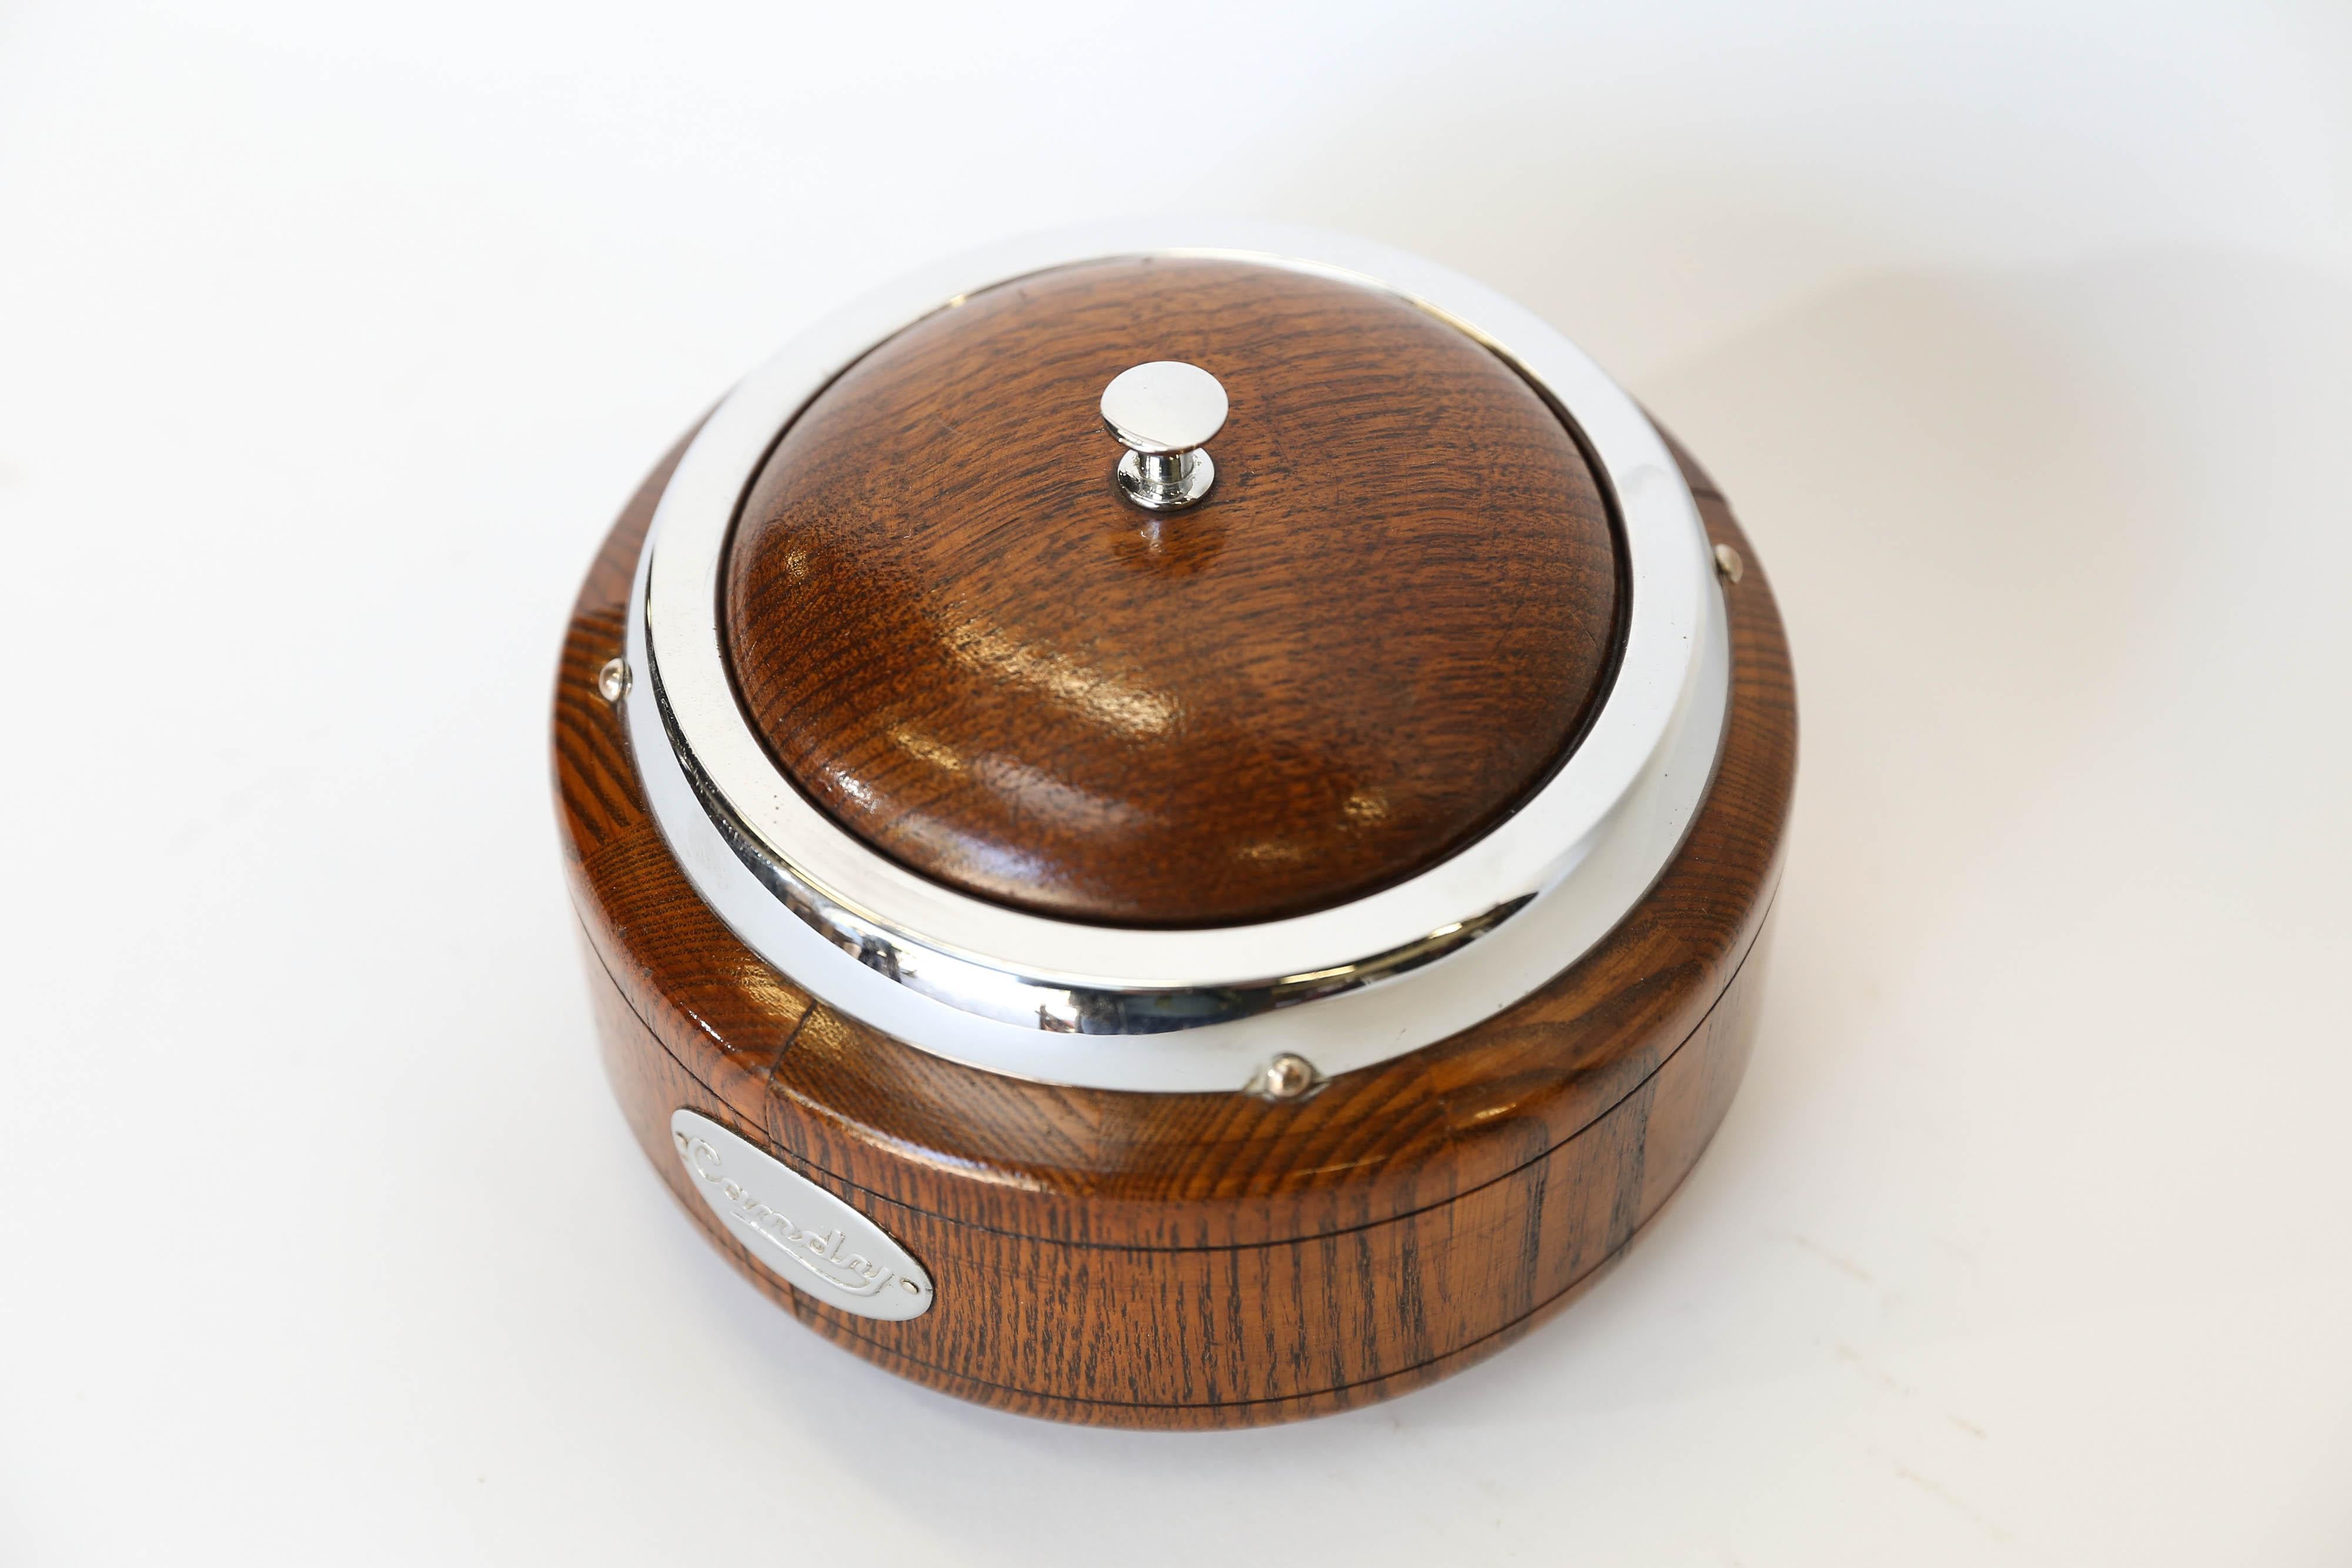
1173,826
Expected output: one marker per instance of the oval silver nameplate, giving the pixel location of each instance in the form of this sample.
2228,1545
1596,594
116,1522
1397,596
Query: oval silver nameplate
806,1236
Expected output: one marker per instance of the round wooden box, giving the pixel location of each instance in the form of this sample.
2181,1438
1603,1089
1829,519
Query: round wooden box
1175,828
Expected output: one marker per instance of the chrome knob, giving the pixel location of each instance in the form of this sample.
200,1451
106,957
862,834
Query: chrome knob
1163,413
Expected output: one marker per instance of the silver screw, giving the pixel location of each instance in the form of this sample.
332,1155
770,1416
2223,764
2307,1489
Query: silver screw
1286,1077
1728,562
1163,413
613,680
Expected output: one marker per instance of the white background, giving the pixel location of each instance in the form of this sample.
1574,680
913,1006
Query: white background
329,343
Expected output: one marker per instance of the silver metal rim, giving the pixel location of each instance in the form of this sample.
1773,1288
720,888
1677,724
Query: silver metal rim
1121,1008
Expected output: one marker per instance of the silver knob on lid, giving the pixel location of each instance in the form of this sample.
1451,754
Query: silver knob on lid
1163,413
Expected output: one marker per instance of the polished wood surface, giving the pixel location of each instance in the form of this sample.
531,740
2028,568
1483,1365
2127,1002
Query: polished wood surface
1201,1259
1228,1335
1382,628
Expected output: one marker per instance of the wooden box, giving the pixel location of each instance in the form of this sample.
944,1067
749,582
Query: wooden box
1385,835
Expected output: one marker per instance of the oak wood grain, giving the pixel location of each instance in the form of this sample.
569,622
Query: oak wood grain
1203,1259
1383,628
1238,1335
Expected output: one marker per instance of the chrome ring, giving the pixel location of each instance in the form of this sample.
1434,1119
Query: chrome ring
1116,1008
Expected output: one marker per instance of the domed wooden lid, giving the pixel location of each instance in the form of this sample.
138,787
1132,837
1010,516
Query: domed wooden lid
1382,628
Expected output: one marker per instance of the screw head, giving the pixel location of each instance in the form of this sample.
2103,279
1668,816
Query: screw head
1286,1077
613,680
1727,562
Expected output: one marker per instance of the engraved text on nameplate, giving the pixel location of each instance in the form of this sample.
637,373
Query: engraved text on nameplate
805,1235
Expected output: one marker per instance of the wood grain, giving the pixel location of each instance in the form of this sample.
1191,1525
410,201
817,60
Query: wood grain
1203,1259
1242,1334
1381,630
